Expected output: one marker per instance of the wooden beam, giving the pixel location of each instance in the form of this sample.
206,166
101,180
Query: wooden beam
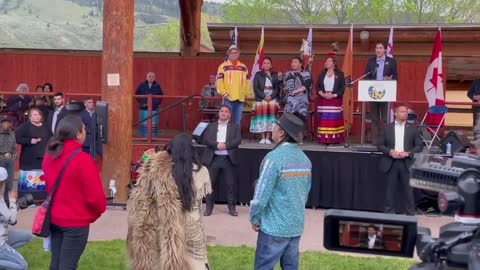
190,25
117,59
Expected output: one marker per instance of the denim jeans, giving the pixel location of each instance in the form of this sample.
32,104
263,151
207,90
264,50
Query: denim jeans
270,249
237,110
10,259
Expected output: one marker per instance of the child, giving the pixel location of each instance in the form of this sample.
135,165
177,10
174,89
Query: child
9,240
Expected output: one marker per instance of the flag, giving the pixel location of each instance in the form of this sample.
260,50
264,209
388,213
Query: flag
258,62
306,51
347,68
433,84
390,54
233,40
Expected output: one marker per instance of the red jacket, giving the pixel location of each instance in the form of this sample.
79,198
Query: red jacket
79,199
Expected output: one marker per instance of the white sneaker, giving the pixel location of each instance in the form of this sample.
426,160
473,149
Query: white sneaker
267,141
262,141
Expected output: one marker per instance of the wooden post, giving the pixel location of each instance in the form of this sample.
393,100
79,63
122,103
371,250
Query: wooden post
190,25
117,60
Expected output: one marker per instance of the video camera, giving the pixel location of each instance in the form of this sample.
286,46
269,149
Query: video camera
457,180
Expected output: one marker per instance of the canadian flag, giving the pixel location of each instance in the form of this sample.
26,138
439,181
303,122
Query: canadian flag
390,54
433,85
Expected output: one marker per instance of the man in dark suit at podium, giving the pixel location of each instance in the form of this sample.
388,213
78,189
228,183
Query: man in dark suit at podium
380,68
398,144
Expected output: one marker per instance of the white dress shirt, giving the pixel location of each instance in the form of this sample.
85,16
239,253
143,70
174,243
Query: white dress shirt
328,83
55,117
222,138
371,241
399,136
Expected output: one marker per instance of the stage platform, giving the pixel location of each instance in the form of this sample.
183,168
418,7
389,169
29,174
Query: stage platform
342,178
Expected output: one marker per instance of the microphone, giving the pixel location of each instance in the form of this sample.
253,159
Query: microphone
374,72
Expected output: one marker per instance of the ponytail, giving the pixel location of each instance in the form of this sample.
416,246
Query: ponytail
54,147
67,129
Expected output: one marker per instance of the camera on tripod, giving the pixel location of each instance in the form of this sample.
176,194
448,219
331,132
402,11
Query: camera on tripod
457,181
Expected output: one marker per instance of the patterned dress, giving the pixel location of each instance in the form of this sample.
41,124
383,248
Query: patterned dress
298,104
265,111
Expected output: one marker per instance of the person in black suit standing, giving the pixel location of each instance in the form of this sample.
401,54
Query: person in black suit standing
222,139
58,113
87,118
380,68
398,144
474,95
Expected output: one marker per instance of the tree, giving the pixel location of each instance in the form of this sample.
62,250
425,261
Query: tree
342,10
462,11
253,11
424,11
306,11
164,38
377,11
167,37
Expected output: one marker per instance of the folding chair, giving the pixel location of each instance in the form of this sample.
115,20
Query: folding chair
429,133
412,117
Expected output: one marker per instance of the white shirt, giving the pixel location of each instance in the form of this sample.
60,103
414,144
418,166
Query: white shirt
55,116
89,112
399,137
328,83
222,138
268,83
371,241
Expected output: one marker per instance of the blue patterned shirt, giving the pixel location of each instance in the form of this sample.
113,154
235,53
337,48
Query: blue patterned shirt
278,205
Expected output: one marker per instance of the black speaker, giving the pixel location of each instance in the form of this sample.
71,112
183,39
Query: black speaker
101,109
458,139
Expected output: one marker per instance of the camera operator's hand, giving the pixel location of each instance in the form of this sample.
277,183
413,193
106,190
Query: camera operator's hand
12,195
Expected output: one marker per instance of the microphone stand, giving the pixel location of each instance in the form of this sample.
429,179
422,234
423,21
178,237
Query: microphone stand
350,86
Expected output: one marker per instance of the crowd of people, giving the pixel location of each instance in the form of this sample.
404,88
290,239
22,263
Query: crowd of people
165,207
292,91
47,135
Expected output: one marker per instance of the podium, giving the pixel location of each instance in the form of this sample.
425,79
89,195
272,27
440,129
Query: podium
375,91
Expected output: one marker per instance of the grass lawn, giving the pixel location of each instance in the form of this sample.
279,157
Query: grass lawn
111,255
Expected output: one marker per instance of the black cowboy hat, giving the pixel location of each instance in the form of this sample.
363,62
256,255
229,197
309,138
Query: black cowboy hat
292,125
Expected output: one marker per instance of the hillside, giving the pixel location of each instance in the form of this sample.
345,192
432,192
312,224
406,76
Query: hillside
77,24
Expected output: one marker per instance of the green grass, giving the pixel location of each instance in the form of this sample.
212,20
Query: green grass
111,255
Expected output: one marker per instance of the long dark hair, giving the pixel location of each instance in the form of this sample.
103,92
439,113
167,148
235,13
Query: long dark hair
184,155
67,129
299,60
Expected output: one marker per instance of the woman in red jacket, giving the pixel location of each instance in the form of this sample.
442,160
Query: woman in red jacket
79,199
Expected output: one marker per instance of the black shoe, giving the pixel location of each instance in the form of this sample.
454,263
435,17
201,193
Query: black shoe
232,211
208,212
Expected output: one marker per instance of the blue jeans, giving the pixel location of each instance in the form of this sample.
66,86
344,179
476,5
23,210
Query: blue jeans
270,249
237,111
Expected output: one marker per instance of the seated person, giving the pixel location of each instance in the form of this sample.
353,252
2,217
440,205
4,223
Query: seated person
10,240
210,90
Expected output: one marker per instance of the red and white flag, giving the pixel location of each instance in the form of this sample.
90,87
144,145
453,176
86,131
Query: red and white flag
390,54
433,85
307,51
258,62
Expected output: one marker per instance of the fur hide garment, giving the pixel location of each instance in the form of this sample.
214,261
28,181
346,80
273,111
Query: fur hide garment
156,237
